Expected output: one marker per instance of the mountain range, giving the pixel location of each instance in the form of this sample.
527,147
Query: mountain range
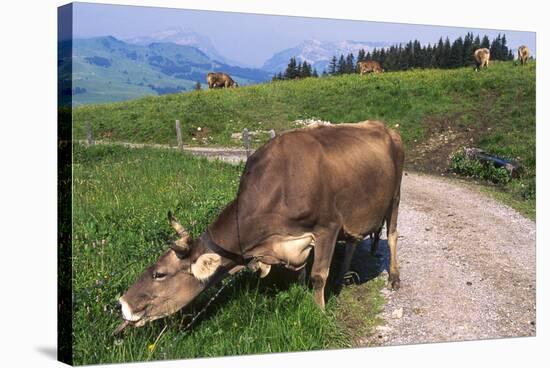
107,69
317,53
185,37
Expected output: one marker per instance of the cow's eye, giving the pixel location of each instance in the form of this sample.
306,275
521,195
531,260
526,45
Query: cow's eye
158,275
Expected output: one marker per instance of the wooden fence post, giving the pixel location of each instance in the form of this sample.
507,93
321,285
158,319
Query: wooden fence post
246,142
89,134
272,134
179,136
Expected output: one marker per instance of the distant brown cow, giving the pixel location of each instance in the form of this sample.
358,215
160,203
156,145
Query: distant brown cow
369,66
220,80
523,54
481,56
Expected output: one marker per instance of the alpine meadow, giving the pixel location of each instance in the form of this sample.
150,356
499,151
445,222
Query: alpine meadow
121,196
437,112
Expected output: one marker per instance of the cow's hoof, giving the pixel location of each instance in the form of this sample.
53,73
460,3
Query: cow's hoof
394,282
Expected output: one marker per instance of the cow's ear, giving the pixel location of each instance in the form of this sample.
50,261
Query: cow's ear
206,265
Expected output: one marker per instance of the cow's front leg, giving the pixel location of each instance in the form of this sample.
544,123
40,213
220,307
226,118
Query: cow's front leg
323,251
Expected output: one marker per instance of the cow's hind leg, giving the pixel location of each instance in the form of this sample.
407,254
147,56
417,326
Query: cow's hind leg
391,223
322,257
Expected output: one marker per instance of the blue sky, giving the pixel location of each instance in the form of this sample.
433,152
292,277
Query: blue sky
252,38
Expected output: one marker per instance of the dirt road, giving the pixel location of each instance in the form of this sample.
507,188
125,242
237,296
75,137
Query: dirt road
226,154
467,267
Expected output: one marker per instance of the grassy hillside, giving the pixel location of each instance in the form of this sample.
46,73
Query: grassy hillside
106,69
437,112
121,197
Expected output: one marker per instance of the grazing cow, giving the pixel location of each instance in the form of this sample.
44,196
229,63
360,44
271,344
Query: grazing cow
369,66
220,80
481,56
301,191
523,54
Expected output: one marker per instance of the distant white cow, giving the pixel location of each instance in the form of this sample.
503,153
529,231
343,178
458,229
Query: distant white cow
523,54
481,56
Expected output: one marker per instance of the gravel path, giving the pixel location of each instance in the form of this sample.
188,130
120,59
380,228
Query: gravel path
229,155
467,267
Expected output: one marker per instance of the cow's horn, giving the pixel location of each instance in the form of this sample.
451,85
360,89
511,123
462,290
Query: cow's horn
180,230
181,247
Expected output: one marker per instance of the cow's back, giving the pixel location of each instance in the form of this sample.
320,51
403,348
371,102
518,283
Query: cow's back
369,66
345,173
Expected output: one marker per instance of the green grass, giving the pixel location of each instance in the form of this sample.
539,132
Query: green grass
504,91
497,105
358,307
121,197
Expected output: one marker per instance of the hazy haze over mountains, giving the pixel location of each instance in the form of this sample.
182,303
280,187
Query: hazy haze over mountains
186,37
318,53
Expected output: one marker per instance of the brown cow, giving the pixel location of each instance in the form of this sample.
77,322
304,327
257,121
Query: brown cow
523,54
305,189
220,80
481,57
369,66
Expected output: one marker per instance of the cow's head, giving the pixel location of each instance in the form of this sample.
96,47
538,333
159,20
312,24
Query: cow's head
172,282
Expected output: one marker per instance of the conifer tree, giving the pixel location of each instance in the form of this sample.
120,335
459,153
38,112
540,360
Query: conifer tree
333,65
306,70
476,45
361,55
301,71
350,64
504,48
485,43
417,54
430,56
446,53
468,49
456,55
438,53
496,48
291,71
341,69
382,56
